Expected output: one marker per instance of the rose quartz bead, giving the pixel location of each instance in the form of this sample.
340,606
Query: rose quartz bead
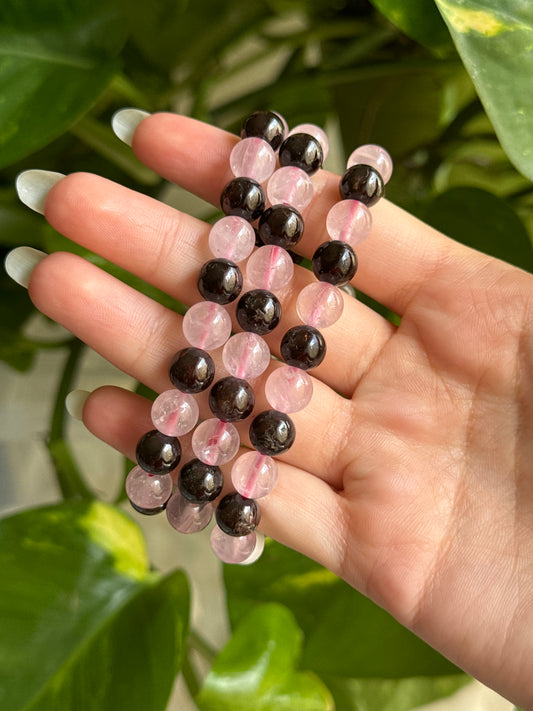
254,475
290,186
374,156
187,517
207,325
215,442
246,355
232,549
174,413
257,551
349,221
252,158
288,389
148,491
270,267
320,304
232,237
313,130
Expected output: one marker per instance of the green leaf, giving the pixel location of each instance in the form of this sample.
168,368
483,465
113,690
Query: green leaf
84,622
255,671
418,19
494,40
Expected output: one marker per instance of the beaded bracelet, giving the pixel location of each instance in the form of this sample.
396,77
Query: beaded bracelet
246,355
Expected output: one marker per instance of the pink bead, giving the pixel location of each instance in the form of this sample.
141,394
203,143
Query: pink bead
270,267
312,130
148,491
232,238
290,186
174,413
215,442
252,158
254,475
349,221
207,325
246,355
375,156
232,549
257,551
187,517
288,389
320,304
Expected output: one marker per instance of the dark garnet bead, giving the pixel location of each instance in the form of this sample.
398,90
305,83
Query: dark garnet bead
237,516
200,483
148,512
243,197
281,225
303,151
158,453
258,311
362,182
334,262
191,370
231,399
220,280
266,125
303,347
272,432
258,241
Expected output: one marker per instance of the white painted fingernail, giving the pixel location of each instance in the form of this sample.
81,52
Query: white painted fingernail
34,185
125,121
257,551
74,403
21,261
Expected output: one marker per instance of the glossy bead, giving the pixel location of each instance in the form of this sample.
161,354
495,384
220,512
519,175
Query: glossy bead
207,325
231,399
374,156
200,483
246,355
258,549
191,370
252,158
281,225
158,453
243,197
174,413
363,183
237,516
232,238
258,311
270,267
254,475
233,549
266,125
272,432
334,262
288,389
148,493
320,304
301,151
290,186
220,280
349,221
303,347
215,442
317,133
187,517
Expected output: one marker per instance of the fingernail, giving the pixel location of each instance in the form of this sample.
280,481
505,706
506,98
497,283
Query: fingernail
34,185
125,121
20,263
74,403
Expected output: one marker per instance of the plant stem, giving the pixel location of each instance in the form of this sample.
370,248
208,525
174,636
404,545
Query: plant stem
202,646
189,674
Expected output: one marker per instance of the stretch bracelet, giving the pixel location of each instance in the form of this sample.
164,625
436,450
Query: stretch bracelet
267,251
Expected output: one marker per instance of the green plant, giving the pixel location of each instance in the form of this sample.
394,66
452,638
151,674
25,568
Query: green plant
76,581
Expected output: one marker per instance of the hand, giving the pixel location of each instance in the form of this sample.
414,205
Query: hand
411,473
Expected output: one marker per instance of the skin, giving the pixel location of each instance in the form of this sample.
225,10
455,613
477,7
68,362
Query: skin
411,474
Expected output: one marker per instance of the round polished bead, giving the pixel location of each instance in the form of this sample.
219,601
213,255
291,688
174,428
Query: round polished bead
246,355
207,325
374,156
232,238
174,413
148,493
258,311
349,221
270,267
237,516
363,183
252,158
266,125
281,225
233,549
191,370
290,186
320,304
199,482
158,453
220,280
301,151
258,549
303,347
334,262
243,197
215,442
312,130
231,399
288,389
254,475
272,432
187,517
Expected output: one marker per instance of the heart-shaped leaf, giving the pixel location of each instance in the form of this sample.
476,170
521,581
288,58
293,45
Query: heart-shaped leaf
419,20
